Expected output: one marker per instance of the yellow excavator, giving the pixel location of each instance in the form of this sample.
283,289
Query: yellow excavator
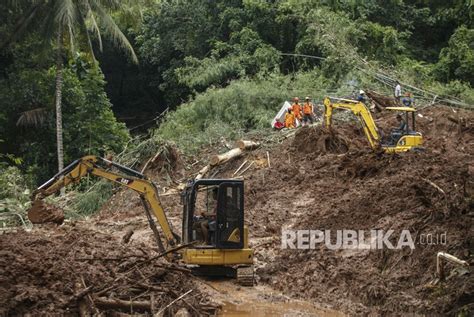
225,251
399,141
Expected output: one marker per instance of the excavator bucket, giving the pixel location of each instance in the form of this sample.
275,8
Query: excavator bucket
41,212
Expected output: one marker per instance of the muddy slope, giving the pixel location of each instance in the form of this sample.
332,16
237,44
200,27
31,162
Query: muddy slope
54,270
313,184
330,181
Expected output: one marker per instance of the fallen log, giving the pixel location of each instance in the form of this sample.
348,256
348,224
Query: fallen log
174,301
222,158
115,303
247,145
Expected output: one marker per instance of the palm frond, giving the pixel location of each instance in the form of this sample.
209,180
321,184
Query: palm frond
95,26
66,12
34,117
83,26
113,30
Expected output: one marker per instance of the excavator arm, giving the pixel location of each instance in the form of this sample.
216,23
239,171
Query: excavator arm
362,114
97,166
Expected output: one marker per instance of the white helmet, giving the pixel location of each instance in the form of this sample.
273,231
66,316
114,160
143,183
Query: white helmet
361,92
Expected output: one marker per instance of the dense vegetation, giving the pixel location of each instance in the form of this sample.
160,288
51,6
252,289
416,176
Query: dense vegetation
219,65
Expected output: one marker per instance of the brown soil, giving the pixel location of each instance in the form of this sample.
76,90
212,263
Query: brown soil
317,180
41,212
330,181
44,271
362,190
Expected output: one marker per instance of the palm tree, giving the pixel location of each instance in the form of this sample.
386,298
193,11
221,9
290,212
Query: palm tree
74,22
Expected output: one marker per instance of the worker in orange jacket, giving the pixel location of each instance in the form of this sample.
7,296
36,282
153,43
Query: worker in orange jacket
296,108
289,119
307,111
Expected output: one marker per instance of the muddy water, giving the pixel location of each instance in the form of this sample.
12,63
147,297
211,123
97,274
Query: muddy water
261,301
267,309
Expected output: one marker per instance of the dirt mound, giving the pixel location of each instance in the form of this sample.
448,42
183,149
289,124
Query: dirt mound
310,186
71,270
318,140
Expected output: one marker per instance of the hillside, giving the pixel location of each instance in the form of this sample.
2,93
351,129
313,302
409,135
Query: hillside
315,181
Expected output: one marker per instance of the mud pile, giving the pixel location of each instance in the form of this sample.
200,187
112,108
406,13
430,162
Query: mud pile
318,140
428,193
333,181
73,270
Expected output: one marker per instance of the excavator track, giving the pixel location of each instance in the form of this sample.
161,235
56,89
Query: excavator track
245,276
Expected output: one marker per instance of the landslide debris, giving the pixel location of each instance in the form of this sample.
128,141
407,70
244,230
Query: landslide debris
317,180
345,185
42,212
72,270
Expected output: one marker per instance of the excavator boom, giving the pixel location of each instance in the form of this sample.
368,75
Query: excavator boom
100,167
361,112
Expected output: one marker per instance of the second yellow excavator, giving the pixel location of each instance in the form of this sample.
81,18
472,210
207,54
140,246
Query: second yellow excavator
400,140
215,205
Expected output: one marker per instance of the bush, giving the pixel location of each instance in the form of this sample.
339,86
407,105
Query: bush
14,192
230,112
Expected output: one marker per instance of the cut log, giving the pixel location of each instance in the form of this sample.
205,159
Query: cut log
222,158
115,303
247,145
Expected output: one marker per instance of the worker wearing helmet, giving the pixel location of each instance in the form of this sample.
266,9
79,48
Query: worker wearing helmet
361,97
307,111
296,108
407,100
289,119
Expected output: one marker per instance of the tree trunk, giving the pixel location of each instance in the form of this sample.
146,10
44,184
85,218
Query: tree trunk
222,158
59,88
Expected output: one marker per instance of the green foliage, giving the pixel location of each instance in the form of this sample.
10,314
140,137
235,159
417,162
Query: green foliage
89,124
14,192
457,59
88,202
244,55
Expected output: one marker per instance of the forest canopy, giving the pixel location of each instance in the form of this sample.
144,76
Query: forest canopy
222,67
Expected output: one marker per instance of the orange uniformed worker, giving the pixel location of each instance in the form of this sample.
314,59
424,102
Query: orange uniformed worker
289,119
296,108
307,111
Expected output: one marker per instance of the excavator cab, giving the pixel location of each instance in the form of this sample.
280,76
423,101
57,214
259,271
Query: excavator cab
407,138
219,204
224,251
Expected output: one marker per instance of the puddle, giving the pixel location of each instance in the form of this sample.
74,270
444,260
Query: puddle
278,309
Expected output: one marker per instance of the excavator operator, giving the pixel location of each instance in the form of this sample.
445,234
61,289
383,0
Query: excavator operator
398,132
206,221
